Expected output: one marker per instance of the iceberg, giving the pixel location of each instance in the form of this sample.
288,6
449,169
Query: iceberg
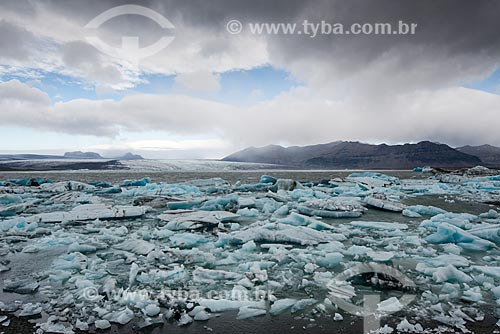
187,240
136,183
282,233
384,204
447,233
209,275
190,220
249,312
450,274
89,212
281,305
141,247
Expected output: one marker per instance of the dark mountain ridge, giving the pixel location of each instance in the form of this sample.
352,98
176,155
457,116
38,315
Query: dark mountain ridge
355,155
489,155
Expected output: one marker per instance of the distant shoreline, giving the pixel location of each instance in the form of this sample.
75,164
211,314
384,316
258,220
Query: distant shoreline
59,165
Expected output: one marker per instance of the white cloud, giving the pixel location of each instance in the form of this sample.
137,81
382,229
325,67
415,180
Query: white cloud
166,148
298,117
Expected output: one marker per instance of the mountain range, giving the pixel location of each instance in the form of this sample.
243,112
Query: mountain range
356,155
489,155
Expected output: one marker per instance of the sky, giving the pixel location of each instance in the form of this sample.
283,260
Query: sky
210,91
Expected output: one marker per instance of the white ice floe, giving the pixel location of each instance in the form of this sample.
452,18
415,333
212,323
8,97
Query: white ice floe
277,232
189,220
384,204
89,212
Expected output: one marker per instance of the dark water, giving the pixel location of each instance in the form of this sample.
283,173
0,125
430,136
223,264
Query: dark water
249,176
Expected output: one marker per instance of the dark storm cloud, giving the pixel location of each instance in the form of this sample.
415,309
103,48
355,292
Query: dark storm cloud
15,42
456,41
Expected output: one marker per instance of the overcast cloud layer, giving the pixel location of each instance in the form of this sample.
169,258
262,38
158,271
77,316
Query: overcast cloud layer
369,88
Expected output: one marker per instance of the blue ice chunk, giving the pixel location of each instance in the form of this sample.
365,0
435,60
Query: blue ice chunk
450,274
447,233
329,260
17,225
253,187
281,305
246,212
491,214
282,210
210,186
426,210
267,205
411,214
300,220
303,193
221,203
8,199
358,250
136,183
462,220
489,271
267,179
187,240
488,232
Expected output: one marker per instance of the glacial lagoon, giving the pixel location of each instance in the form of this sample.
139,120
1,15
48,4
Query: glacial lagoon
187,251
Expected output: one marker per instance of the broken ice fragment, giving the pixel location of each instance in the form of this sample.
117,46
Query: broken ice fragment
450,274
30,309
384,204
195,219
390,305
447,233
89,212
185,320
102,324
136,246
248,312
152,310
21,286
281,305
208,275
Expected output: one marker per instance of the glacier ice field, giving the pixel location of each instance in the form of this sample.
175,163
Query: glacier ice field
84,256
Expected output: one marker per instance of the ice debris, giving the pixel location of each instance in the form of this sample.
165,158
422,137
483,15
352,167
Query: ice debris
103,252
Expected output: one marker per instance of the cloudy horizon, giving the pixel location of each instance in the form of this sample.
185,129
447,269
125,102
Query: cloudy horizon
211,92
